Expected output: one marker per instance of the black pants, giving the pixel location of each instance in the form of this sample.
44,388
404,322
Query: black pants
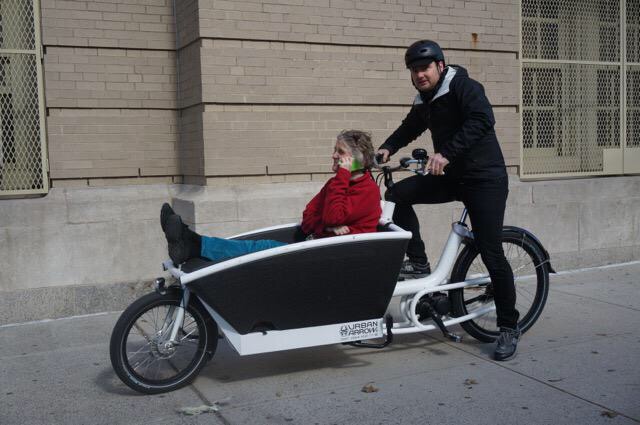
485,201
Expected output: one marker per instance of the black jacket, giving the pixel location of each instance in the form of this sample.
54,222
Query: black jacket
461,121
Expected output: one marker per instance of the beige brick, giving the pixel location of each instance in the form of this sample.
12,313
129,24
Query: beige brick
112,143
335,75
370,23
108,24
120,71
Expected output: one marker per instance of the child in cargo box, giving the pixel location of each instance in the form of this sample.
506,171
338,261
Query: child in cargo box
348,203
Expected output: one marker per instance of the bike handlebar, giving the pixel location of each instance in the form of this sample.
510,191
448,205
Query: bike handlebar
405,163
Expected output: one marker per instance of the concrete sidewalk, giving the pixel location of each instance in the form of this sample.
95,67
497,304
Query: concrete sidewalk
578,365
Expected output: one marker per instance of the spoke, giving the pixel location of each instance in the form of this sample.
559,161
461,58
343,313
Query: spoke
142,332
149,364
147,360
187,335
155,320
139,351
157,369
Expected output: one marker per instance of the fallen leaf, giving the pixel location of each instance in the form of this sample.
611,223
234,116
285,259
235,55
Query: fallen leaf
608,414
470,381
369,388
555,380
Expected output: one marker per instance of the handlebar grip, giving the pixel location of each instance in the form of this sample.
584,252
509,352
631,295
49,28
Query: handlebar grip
379,157
404,162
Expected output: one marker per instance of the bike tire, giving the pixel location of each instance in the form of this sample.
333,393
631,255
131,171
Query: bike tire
531,278
198,336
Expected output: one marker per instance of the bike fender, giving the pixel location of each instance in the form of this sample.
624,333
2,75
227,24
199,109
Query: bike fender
535,240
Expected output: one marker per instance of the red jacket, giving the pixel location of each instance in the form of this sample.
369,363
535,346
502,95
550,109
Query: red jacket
343,202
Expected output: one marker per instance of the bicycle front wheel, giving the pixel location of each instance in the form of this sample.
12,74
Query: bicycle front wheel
141,354
531,279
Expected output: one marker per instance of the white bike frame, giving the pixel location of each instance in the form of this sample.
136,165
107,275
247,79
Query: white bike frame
410,291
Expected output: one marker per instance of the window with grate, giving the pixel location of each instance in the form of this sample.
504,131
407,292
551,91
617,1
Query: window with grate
573,72
633,73
22,159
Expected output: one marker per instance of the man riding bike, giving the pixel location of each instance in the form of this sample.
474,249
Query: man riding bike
460,117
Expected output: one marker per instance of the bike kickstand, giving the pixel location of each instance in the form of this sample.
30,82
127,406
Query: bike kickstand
437,319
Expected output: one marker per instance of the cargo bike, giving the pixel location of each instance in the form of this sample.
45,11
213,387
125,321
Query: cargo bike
337,290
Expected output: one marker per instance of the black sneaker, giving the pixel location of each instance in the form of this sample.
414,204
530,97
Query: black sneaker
165,212
414,269
507,343
174,232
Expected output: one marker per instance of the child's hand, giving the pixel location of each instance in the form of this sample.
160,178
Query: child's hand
340,230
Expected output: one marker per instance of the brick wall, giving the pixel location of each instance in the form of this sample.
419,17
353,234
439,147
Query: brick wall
92,143
285,139
110,78
235,71
136,24
374,23
279,79
110,91
191,145
261,87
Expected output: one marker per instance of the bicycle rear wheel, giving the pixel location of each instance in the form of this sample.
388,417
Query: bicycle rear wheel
531,278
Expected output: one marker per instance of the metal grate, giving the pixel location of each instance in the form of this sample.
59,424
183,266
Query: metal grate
581,30
21,150
633,106
17,29
573,72
633,73
633,31
570,113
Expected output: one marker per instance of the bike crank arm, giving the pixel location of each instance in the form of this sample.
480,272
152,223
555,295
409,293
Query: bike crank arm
438,320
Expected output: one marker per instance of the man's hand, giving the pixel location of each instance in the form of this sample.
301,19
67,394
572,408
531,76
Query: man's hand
340,230
385,155
436,164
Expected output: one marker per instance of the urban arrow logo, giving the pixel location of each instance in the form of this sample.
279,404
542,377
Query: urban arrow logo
359,329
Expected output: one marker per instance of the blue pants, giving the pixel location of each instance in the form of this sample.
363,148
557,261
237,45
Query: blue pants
217,249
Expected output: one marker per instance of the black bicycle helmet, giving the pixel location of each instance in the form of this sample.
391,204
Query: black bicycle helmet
423,52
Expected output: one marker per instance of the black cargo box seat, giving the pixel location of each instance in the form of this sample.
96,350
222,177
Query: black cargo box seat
319,285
